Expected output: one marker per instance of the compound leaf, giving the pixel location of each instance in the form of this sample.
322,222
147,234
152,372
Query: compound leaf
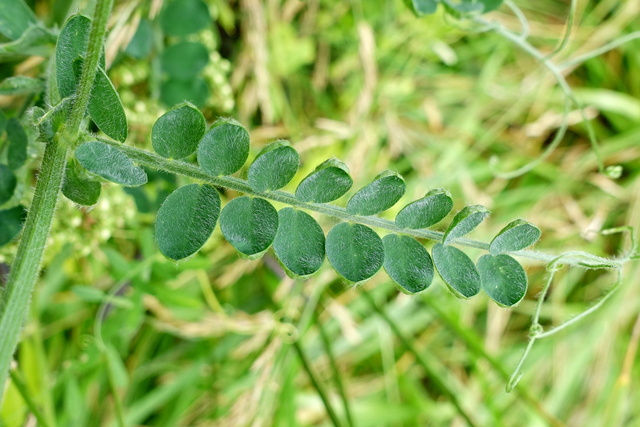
186,220
18,142
184,60
21,85
79,189
184,17
355,251
274,166
299,243
503,279
250,224
517,235
110,163
464,222
457,270
11,222
425,212
407,262
377,196
328,182
177,132
15,18
8,184
224,149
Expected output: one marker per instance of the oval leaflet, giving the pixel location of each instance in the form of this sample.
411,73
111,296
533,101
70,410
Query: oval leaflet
186,219
355,251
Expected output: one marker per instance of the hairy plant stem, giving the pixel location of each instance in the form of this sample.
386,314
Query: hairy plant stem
14,301
177,167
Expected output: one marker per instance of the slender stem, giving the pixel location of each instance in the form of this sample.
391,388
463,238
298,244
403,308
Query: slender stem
556,71
154,161
567,32
316,384
334,367
429,369
599,51
21,386
14,300
474,344
24,271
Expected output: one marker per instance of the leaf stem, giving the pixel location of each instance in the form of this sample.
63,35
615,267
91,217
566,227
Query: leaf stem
334,367
22,388
152,160
316,384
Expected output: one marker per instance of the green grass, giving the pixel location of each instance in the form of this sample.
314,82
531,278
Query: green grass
118,335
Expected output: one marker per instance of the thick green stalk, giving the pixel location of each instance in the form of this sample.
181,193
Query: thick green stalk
24,271
14,301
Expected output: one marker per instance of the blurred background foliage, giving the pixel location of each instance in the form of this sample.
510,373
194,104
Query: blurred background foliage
118,334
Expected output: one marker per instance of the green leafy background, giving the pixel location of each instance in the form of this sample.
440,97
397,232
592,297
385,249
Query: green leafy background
217,338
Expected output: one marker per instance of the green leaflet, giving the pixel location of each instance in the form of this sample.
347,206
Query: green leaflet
274,166
177,132
250,224
490,5
78,188
141,44
422,7
21,85
105,107
18,143
457,270
328,182
461,8
425,212
3,121
11,222
299,243
503,279
355,251
407,262
35,41
517,235
224,149
185,60
186,219
464,222
72,44
174,92
15,18
8,184
377,196
110,163
184,17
